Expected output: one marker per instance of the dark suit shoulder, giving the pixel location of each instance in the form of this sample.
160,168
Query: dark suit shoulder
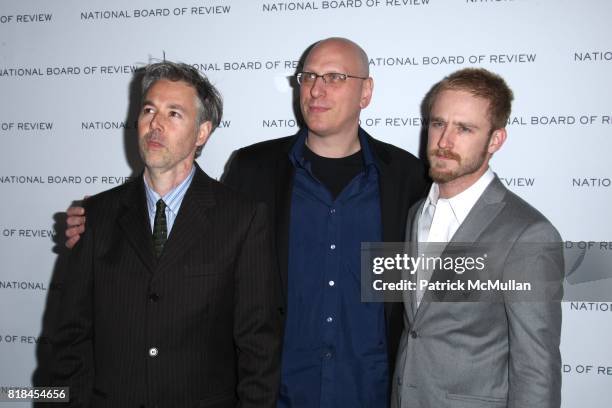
111,198
257,164
228,196
401,161
263,151
401,168
395,153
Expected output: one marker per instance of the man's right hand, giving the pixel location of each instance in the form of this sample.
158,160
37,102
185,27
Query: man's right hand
75,224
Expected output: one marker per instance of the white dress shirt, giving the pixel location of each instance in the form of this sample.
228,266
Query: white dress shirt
442,217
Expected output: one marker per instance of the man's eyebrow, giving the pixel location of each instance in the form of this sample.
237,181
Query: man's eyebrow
467,124
176,106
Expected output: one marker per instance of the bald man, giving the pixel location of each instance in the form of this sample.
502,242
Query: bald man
329,188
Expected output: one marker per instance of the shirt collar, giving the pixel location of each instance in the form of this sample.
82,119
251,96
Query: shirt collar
172,198
296,154
462,203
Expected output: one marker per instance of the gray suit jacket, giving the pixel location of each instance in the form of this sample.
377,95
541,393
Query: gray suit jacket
494,352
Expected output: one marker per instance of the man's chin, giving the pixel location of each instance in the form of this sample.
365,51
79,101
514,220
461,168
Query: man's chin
154,163
318,128
441,176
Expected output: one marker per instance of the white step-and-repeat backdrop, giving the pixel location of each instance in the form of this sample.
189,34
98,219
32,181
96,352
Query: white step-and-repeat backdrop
67,130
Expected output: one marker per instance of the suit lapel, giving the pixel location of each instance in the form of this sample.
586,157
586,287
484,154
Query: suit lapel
389,203
134,221
412,228
190,221
484,212
285,173
390,200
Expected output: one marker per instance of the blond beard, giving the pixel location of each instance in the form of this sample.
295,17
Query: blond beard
440,175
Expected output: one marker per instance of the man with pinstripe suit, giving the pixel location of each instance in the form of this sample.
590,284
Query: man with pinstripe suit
172,297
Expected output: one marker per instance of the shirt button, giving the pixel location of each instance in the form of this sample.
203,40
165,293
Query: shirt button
332,211
414,334
153,297
328,355
333,246
153,352
329,320
332,283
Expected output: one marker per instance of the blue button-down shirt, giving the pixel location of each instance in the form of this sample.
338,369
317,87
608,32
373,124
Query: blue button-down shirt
334,352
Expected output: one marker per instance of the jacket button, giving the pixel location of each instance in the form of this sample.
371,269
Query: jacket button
414,334
153,352
153,297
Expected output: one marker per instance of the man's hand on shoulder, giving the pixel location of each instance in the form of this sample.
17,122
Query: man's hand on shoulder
75,225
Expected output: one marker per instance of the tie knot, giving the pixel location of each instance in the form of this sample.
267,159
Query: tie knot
161,206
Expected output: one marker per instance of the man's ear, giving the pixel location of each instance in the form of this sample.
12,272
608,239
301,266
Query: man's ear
366,92
497,139
204,132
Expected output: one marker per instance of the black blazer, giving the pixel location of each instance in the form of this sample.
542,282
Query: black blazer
199,327
264,172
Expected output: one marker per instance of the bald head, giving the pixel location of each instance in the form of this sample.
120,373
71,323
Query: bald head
331,109
352,54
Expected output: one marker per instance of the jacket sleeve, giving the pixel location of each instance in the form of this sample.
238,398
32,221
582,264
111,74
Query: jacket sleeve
72,339
257,320
534,324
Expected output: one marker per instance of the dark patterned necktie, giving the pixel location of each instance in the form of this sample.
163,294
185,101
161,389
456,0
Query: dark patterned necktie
160,230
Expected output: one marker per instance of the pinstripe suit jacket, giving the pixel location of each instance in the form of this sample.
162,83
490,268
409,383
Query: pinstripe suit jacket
200,327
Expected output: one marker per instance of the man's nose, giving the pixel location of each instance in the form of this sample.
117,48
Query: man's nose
318,87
